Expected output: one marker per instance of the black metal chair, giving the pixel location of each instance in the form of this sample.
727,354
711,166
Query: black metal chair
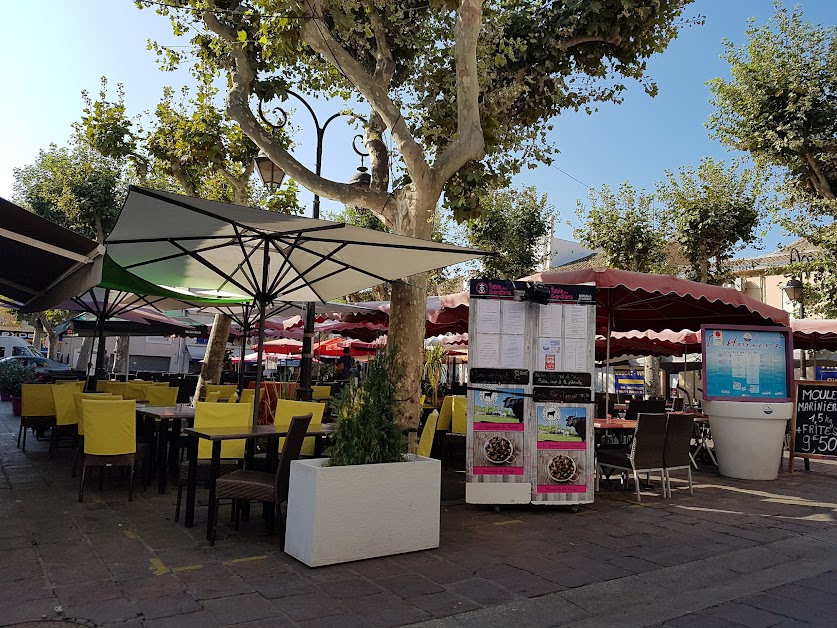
644,455
270,488
677,447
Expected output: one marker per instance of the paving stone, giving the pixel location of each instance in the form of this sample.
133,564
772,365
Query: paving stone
281,585
152,586
29,610
239,609
198,619
744,615
443,604
442,571
309,606
634,564
209,589
350,588
409,585
385,609
482,591
156,607
700,620
517,580
802,611
107,611
375,568
85,592
343,620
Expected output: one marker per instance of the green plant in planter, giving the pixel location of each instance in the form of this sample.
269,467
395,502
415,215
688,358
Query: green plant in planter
435,360
366,431
13,375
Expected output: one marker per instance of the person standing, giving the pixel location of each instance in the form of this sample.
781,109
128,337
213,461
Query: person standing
344,365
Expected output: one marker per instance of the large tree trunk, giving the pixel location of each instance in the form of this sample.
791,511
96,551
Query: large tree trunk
53,344
407,307
39,334
120,354
84,355
213,362
652,376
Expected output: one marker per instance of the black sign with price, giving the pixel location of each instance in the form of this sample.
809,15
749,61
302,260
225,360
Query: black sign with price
815,420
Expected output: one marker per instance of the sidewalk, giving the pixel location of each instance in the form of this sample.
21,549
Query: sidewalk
734,553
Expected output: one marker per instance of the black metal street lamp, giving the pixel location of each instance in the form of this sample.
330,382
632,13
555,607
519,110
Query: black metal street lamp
360,178
270,174
795,290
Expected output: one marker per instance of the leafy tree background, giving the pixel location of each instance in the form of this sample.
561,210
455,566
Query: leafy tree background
514,223
627,227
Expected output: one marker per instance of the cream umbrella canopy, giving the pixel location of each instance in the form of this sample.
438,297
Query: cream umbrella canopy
175,240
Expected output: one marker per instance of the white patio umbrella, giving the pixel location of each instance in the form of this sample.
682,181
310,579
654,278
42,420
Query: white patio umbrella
175,240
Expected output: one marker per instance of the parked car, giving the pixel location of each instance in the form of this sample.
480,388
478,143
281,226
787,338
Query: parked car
41,365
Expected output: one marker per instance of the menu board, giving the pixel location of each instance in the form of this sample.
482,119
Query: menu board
746,363
530,390
815,420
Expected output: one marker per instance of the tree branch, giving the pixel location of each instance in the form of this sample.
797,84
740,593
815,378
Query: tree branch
821,184
385,64
316,34
242,76
469,143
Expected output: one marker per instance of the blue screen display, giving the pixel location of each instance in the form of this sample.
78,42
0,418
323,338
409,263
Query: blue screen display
742,364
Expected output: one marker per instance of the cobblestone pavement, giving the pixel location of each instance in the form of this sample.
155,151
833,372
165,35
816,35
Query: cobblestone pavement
733,554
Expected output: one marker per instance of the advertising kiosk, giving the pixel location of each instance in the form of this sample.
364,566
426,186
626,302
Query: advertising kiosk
747,378
530,396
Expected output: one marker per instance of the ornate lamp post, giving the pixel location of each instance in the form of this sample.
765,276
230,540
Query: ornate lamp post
795,290
271,176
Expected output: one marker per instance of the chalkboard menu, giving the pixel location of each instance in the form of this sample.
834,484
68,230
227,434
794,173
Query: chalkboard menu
561,395
815,420
559,378
499,376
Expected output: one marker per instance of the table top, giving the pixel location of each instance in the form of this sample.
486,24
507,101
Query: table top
180,411
614,424
251,431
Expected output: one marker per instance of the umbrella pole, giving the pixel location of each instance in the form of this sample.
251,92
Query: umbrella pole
262,301
127,356
607,367
245,333
305,391
100,335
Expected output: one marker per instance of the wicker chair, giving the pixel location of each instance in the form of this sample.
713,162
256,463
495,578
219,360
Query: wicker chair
645,453
260,485
677,444
208,414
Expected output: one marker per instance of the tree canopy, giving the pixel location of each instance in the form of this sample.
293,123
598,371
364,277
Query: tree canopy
514,223
715,211
626,226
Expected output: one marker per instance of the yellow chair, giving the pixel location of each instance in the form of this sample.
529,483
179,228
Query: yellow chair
426,441
320,393
208,414
459,422
248,395
77,397
135,390
422,399
225,391
233,398
115,388
66,417
77,383
446,415
100,385
37,409
160,395
110,437
287,409
213,397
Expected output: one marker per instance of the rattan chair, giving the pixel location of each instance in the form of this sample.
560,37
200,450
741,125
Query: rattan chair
208,414
677,444
37,410
271,488
644,455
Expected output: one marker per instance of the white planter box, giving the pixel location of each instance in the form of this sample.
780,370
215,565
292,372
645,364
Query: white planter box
748,437
341,514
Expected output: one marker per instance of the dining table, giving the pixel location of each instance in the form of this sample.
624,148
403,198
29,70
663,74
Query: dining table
167,422
248,433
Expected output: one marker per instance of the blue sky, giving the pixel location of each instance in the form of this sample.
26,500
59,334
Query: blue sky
53,49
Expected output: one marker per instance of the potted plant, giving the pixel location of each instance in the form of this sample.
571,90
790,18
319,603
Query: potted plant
13,375
369,498
435,360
